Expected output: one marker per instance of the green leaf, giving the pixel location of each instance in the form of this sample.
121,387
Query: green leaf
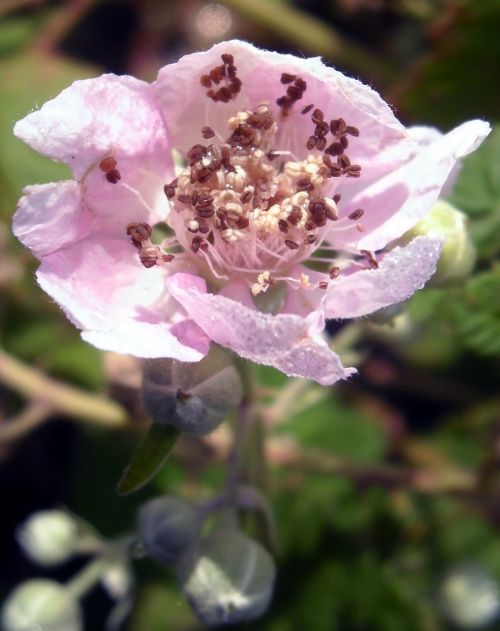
477,315
477,193
148,458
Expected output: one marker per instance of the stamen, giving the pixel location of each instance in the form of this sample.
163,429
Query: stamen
113,176
207,132
334,272
357,214
307,109
323,284
291,244
372,261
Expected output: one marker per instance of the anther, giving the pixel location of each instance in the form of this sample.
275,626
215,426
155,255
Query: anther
283,226
323,284
353,131
334,272
108,164
337,198
227,59
295,216
113,176
307,109
167,258
335,149
291,244
311,142
149,255
287,78
205,81
370,257
320,144
246,197
184,199
317,116
357,214
139,231
343,161
304,184
195,244
207,132
310,239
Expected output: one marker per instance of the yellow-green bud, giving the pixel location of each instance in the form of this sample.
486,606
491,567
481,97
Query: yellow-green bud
458,255
49,537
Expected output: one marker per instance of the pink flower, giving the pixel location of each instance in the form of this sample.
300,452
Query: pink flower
295,183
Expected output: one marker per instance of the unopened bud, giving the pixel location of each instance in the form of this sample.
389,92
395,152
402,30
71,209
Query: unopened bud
41,605
227,578
193,397
167,526
469,597
49,537
458,255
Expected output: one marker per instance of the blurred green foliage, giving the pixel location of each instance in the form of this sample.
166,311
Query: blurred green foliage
355,553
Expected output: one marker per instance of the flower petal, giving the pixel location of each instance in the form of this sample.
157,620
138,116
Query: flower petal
93,118
401,272
51,216
120,305
395,203
281,341
383,142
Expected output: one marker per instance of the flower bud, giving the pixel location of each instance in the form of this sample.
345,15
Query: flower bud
469,597
193,397
458,255
49,537
43,605
227,577
167,526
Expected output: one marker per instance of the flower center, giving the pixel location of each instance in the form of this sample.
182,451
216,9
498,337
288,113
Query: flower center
244,206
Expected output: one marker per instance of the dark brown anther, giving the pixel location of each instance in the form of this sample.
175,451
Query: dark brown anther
203,176
304,184
323,284
184,198
321,129
283,225
205,199
320,144
307,109
167,258
357,214
336,127
343,161
295,216
207,132
335,149
203,225
227,59
291,244
336,171
113,176
217,74
317,116
235,86
205,81
370,257
353,170
195,244
270,155
196,153
353,131
204,246
246,197
225,95
311,142
337,198
206,213
294,92
334,272
149,256
108,164
343,142
310,239
310,225
139,232
242,223
211,94
324,172
287,78
194,197
301,84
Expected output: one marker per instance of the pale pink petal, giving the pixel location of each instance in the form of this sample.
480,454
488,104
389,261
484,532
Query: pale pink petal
94,118
281,341
97,118
120,305
395,203
401,272
51,216
383,142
